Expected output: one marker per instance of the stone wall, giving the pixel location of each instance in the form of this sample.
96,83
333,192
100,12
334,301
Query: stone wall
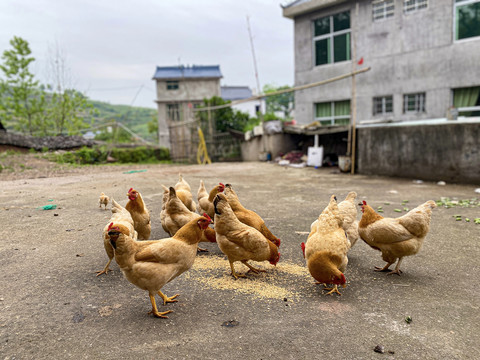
448,151
38,143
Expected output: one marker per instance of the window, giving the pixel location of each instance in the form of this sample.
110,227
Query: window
382,105
467,101
331,38
467,19
172,85
414,5
382,9
414,103
333,113
173,112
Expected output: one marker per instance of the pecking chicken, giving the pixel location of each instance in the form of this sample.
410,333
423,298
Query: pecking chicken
248,217
240,242
163,212
150,265
205,200
122,217
184,193
140,214
348,210
103,200
326,248
177,215
395,237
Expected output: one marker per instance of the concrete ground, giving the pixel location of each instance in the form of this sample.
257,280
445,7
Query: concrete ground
52,306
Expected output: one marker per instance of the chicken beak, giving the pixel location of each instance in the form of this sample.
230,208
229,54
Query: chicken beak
344,285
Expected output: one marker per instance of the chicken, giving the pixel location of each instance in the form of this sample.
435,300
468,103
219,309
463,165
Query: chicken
205,200
248,217
184,193
150,265
326,248
140,214
395,237
177,215
240,242
163,212
348,211
103,200
122,217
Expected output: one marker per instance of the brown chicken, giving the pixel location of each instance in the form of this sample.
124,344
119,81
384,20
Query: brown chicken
184,193
103,200
122,217
348,211
241,242
326,248
177,215
140,214
248,217
150,265
163,212
205,200
395,237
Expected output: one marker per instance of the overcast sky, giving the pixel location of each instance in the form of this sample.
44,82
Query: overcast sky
112,47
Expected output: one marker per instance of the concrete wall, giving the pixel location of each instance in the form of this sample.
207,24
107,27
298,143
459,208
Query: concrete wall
407,53
448,151
275,144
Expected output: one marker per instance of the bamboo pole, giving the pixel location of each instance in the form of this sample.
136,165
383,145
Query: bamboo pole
354,93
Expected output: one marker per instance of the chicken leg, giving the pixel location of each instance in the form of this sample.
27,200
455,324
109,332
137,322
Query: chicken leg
234,274
106,269
255,270
167,299
385,268
155,311
397,268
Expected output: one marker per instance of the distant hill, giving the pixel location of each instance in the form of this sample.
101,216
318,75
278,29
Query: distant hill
135,118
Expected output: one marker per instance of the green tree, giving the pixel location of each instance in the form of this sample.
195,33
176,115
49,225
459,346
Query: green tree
281,102
153,126
21,101
222,119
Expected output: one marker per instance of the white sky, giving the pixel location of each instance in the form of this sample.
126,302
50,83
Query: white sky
112,47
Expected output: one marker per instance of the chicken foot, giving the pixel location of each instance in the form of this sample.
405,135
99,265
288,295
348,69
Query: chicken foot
199,249
397,268
333,289
106,269
155,311
167,299
252,269
385,268
234,274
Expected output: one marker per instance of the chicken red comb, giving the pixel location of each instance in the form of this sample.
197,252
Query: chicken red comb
110,226
364,202
302,245
208,217
130,190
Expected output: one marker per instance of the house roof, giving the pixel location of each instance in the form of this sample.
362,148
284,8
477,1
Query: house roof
188,72
300,7
235,92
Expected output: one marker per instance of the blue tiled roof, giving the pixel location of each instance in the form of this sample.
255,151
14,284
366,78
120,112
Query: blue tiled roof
189,72
235,92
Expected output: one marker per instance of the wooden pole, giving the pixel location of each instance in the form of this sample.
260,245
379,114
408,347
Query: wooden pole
354,93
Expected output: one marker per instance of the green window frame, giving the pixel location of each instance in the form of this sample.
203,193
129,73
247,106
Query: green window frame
333,113
466,19
172,85
331,38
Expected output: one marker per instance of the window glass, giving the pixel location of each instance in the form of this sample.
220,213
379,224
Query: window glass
322,52
341,21
322,26
468,20
341,47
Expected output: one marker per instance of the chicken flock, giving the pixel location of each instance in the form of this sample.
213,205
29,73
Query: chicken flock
242,235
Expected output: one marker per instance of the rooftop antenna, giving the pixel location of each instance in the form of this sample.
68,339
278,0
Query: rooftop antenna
253,54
